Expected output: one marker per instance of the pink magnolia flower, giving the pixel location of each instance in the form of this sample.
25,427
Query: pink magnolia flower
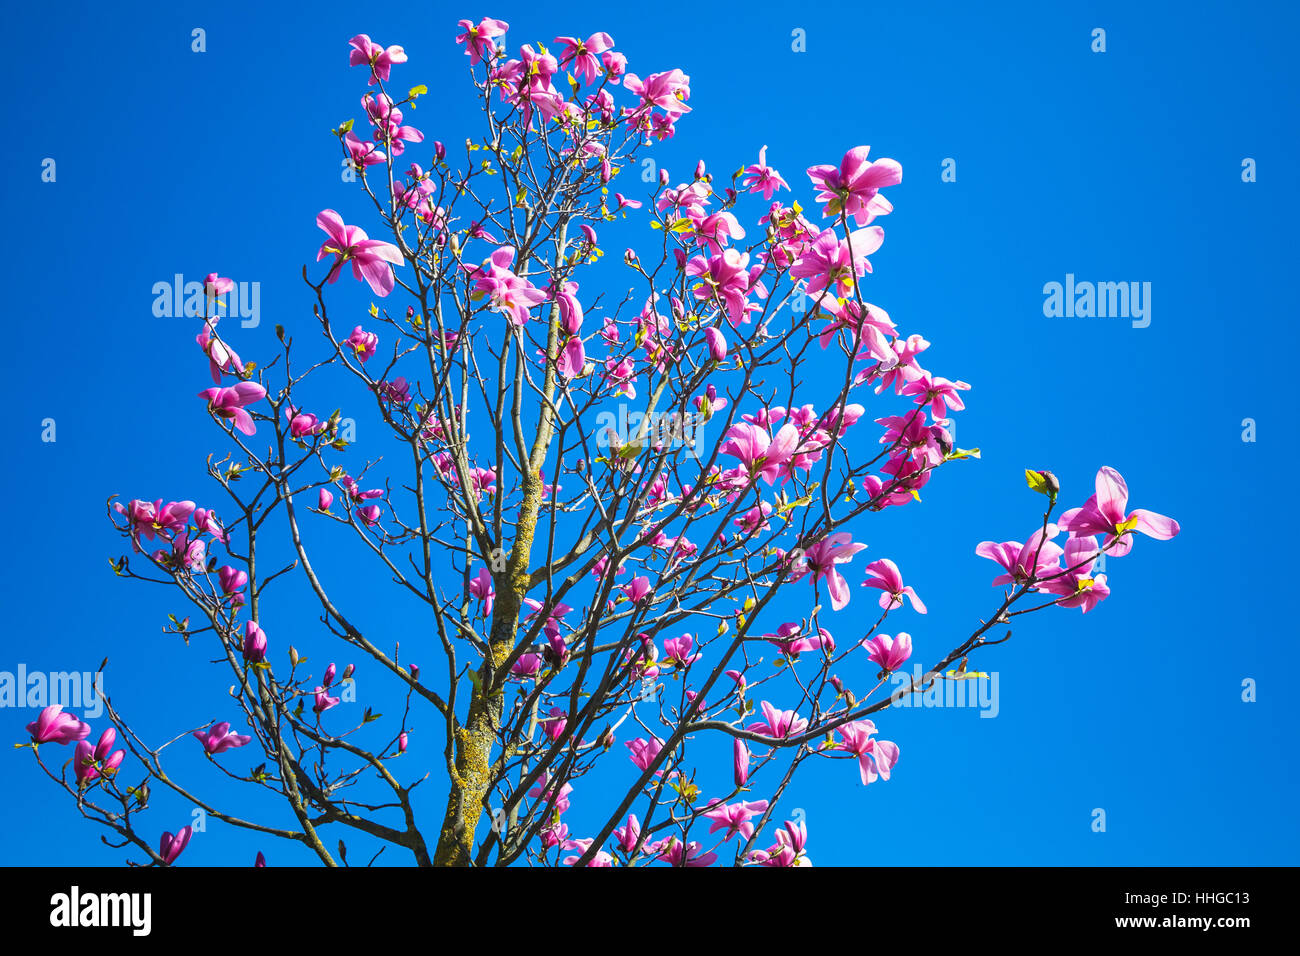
545,790
526,665
481,588
889,652
677,651
323,700
92,762
875,757
557,835
220,356
853,186
884,574
215,285
715,231
54,726
551,626
834,264
940,393
231,579
1104,514
571,312
615,64
717,343
778,723
370,258
572,358
105,744
760,453
217,739
621,376
675,853
506,292
206,521
398,390
1037,558
229,403
729,279
628,836
478,39
1077,585
554,725
189,554
584,55
734,818
170,847
763,178
83,762
636,590
740,762
789,637
380,60
871,327
387,120
598,859
364,344
302,424
788,849
600,567
644,751
325,499
362,153
821,559
150,518
669,91
644,658
254,643
755,519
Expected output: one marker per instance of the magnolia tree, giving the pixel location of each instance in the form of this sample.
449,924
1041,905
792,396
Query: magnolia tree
644,599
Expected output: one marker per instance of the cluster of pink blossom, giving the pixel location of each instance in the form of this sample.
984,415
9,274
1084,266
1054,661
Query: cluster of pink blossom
667,544
1038,562
99,763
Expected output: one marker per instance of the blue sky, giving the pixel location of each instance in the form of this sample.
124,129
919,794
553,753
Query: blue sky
1117,166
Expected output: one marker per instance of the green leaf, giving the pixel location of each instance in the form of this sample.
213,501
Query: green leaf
1043,482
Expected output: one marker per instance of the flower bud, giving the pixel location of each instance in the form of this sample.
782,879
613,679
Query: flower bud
255,643
740,761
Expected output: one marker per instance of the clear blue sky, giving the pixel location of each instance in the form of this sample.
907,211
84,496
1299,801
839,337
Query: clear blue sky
1116,166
